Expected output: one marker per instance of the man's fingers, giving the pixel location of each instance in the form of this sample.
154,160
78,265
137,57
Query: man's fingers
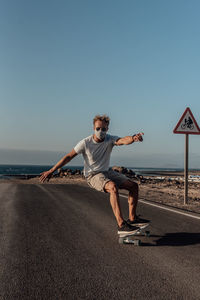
43,177
141,133
139,136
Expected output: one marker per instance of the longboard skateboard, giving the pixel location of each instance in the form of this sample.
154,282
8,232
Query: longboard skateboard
127,238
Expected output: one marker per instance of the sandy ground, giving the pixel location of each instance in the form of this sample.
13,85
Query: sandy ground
172,194
165,192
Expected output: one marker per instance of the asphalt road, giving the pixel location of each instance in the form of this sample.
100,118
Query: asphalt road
60,242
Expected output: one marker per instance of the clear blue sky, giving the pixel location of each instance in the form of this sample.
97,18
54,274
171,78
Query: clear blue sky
62,62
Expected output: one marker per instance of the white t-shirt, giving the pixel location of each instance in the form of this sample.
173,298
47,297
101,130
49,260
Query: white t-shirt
96,155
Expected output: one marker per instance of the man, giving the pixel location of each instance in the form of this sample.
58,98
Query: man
96,150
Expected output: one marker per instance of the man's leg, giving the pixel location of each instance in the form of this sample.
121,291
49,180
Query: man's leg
111,188
132,187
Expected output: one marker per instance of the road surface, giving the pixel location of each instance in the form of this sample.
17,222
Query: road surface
60,242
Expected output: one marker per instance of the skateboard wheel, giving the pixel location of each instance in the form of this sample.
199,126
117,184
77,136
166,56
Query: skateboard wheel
147,233
137,242
121,240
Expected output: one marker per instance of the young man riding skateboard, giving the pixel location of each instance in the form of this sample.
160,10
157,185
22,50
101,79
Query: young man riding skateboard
96,150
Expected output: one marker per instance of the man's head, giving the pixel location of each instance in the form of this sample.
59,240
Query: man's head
101,124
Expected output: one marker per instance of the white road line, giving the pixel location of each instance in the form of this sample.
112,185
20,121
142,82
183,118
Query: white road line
167,208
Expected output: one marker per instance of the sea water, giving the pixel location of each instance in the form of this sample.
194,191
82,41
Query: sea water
12,170
16,170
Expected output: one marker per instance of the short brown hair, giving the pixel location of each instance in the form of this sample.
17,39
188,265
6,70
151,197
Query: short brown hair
102,118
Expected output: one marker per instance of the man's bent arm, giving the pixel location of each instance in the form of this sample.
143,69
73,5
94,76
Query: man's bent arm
127,140
65,160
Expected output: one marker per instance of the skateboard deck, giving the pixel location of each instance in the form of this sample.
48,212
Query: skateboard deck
128,238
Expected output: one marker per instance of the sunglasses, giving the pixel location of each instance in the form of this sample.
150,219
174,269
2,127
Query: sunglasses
103,128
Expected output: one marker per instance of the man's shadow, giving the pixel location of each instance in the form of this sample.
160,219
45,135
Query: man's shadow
175,239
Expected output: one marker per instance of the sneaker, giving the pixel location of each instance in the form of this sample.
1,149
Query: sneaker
127,229
138,222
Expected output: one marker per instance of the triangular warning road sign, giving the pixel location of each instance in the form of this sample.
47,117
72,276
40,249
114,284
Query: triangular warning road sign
187,124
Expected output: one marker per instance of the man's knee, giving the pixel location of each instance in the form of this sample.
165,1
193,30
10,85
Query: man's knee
111,187
131,186
134,186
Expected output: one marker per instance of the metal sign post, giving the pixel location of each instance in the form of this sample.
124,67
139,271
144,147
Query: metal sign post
186,169
187,125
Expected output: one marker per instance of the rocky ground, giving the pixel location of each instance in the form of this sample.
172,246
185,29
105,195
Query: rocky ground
172,194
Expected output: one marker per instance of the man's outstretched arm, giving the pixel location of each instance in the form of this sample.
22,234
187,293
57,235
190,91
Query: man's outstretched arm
67,158
127,140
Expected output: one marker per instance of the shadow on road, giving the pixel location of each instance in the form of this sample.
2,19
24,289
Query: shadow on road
176,239
179,239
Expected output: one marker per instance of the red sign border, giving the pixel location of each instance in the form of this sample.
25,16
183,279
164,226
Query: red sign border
181,119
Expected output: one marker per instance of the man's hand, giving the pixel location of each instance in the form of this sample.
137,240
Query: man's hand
45,176
138,137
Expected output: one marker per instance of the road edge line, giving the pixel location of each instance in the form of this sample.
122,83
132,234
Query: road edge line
175,210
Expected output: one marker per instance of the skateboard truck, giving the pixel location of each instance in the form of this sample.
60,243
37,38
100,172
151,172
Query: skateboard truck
126,239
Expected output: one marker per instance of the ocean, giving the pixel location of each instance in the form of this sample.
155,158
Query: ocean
7,171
